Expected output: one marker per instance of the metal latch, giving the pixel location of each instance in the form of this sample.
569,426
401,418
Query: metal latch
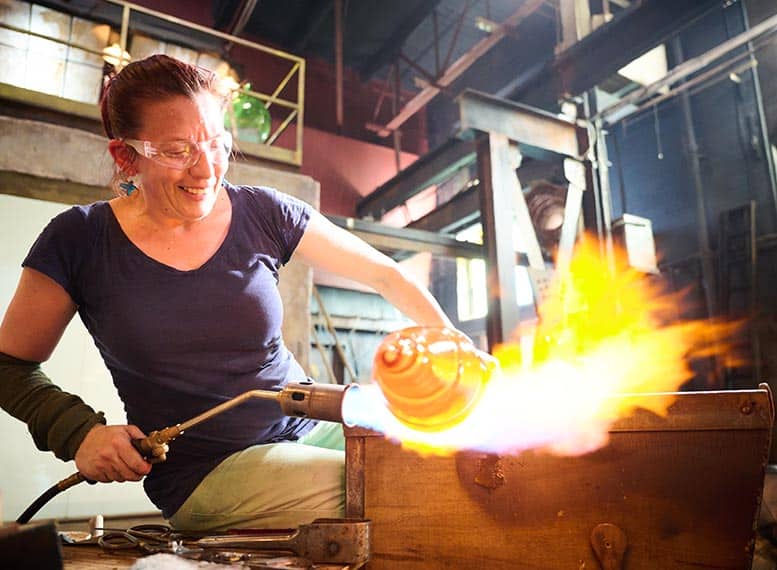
609,543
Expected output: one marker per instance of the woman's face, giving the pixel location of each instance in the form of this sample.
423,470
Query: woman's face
189,194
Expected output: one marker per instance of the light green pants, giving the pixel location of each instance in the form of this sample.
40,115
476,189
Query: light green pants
277,485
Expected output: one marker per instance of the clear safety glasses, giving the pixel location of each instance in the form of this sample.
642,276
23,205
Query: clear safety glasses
184,154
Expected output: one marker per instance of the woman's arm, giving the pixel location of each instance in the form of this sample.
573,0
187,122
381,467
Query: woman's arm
36,318
328,247
61,422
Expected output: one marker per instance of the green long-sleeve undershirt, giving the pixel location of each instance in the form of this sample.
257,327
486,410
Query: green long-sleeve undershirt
58,421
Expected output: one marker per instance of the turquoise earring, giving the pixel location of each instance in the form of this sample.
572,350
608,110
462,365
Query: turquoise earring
129,187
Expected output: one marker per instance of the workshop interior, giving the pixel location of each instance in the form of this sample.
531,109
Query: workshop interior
587,187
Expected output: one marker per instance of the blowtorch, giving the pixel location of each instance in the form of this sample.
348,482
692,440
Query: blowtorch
431,378
305,399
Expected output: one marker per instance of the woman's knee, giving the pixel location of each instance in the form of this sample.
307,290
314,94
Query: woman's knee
266,485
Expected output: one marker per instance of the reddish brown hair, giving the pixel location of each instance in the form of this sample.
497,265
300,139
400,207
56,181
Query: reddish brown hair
154,78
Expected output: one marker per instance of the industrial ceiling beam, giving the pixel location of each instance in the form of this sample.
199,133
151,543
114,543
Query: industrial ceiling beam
461,65
307,29
432,168
456,214
528,126
391,240
634,31
537,131
241,17
392,45
575,22
496,171
463,209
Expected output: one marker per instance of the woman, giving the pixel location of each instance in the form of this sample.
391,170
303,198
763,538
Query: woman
176,281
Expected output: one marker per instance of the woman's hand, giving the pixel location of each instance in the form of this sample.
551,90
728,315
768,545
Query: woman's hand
107,454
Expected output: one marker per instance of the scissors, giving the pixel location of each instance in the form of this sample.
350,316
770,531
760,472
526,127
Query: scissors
149,538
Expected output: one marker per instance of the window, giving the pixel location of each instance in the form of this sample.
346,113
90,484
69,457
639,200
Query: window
52,52
67,62
471,281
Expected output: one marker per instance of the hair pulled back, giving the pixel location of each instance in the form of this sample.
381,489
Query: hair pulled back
145,81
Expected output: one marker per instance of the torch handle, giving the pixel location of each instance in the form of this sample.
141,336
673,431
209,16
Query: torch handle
153,447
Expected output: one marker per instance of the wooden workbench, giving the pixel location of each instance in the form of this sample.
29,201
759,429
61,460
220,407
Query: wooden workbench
92,557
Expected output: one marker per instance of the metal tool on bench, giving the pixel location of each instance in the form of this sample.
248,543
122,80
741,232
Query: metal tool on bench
324,541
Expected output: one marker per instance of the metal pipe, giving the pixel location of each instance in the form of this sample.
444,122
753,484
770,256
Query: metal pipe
332,331
281,85
282,127
324,356
703,81
605,191
455,37
691,66
761,114
339,64
708,272
436,34
300,111
243,16
396,135
271,99
125,16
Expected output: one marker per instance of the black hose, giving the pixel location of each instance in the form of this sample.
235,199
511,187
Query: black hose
50,493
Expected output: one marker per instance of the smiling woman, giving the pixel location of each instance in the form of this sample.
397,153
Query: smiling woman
176,280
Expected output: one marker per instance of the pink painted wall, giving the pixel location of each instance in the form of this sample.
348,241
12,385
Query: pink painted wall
346,168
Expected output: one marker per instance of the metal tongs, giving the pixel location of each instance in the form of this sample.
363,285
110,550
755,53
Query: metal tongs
324,541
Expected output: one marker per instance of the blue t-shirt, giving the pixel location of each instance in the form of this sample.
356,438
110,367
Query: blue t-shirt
178,343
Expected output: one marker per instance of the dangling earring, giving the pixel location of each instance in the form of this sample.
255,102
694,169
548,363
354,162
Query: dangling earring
128,186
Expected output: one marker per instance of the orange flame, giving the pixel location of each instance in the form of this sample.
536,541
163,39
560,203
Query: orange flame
605,344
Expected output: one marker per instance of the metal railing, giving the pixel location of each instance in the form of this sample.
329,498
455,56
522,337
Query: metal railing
287,110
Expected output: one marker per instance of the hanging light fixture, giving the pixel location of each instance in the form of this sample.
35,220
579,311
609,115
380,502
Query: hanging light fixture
113,55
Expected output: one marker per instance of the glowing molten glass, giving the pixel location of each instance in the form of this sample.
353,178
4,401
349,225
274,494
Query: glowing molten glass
606,342
431,377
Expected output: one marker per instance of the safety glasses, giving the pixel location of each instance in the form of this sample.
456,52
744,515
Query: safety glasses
184,154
